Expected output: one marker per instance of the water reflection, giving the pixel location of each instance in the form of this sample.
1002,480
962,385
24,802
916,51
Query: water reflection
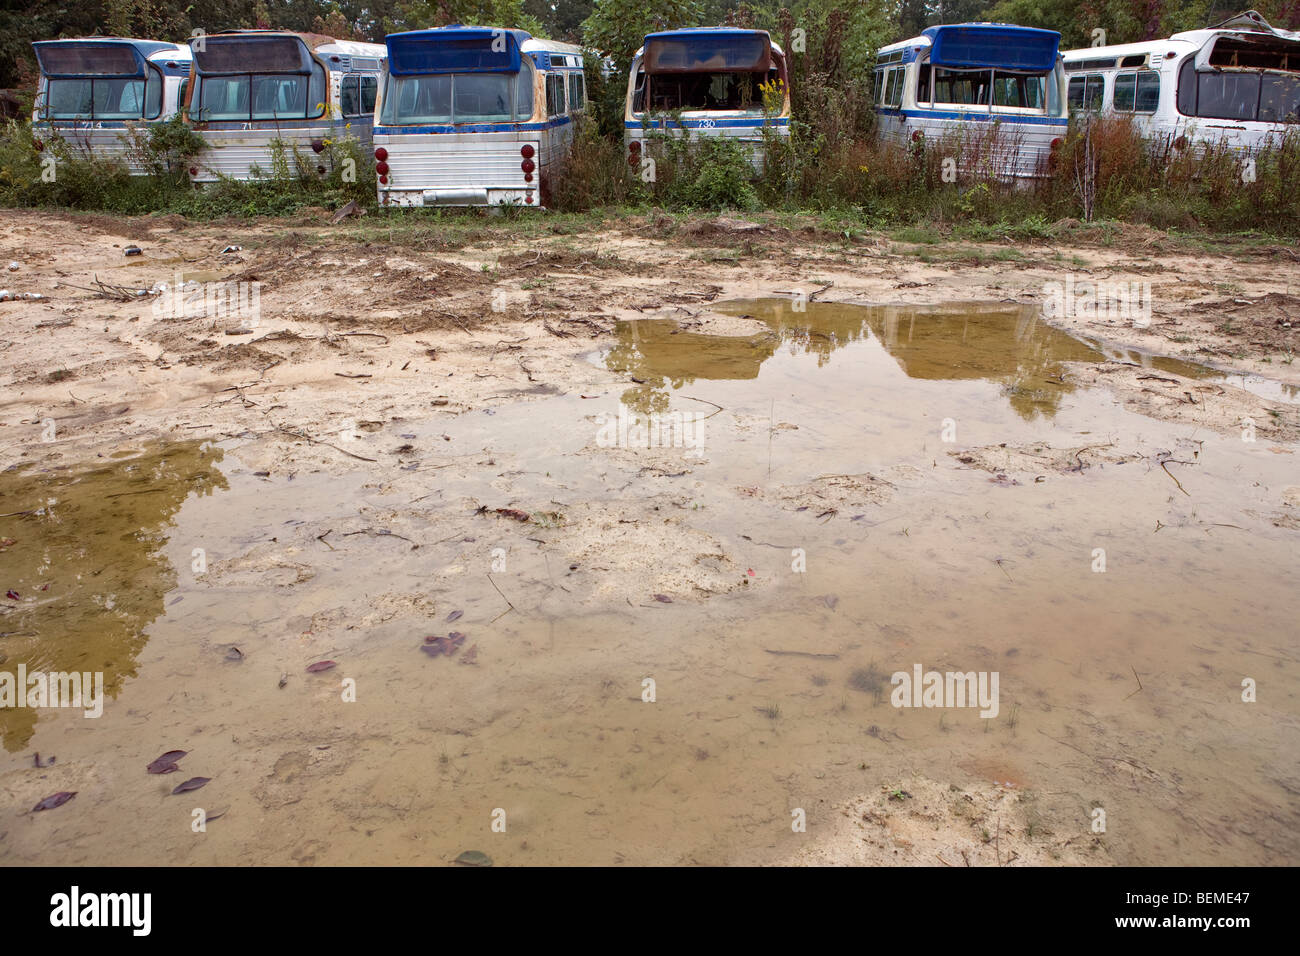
81,550
1007,344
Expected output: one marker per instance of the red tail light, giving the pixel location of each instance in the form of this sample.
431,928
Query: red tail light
194,170
383,180
527,151
317,146
632,159
916,135
635,146
528,177
40,147
528,199
527,166
1056,144
381,154
381,167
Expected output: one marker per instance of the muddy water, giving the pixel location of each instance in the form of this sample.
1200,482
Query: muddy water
1119,689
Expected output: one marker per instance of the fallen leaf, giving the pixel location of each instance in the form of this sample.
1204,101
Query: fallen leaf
663,598
42,764
455,616
514,513
12,595
320,666
191,784
474,858
234,654
167,762
58,800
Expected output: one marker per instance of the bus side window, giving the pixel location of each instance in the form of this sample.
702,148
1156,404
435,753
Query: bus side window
349,100
554,94
180,94
575,92
153,94
369,90
923,83
1148,92
1125,91
1074,95
898,87
891,81
1096,91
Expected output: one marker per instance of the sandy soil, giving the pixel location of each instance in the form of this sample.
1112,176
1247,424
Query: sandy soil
358,331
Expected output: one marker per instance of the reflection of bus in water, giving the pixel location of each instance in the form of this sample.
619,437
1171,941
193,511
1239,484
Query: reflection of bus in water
475,116
254,89
94,92
1237,82
995,90
707,81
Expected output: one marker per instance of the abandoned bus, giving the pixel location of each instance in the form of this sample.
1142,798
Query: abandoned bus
256,93
994,90
474,116
707,81
1237,82
95,92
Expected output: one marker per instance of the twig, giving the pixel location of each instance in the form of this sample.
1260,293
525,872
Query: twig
704,401
317,441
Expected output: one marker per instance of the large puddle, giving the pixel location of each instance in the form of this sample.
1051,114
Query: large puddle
824,438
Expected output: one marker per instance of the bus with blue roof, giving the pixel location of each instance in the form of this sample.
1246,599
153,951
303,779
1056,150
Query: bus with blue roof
95,92
261,96
475,116
995,91
707,82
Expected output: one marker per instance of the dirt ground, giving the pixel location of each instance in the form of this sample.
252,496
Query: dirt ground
362,328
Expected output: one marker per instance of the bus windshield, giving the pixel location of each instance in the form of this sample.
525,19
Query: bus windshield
110,98
458,98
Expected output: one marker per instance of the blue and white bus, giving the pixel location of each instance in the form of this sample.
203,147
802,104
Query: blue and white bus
994,89
95,92
707,81
474,116
256,91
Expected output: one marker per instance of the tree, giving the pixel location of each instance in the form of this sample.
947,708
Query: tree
617,27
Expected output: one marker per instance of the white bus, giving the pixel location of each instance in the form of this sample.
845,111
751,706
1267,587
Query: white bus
475,116
705,81
94,92
996,89
1237,83
253,91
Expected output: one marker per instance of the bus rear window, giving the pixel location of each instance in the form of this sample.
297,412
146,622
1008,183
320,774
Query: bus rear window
963,88
454,98
1279,99
706,91
1233,96
104,99
1019,90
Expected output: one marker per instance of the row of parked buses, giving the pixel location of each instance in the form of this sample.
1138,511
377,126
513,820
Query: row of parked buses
1236,83
477,116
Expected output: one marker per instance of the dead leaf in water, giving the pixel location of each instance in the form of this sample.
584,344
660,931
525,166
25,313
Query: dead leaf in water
514,513
320,666
454,616
54,800
474,858
167,762
663,598
191,784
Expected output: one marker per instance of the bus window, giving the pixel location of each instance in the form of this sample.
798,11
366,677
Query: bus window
1279,99
349,96
153,88
524,92
1137,92
369,89
554,94
481,98
1018,90
1086,92
891,83
1233,96
896,100
576,97
278,96
923,83
878,87
969,88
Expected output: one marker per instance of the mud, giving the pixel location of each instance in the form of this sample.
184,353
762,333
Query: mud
913,466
